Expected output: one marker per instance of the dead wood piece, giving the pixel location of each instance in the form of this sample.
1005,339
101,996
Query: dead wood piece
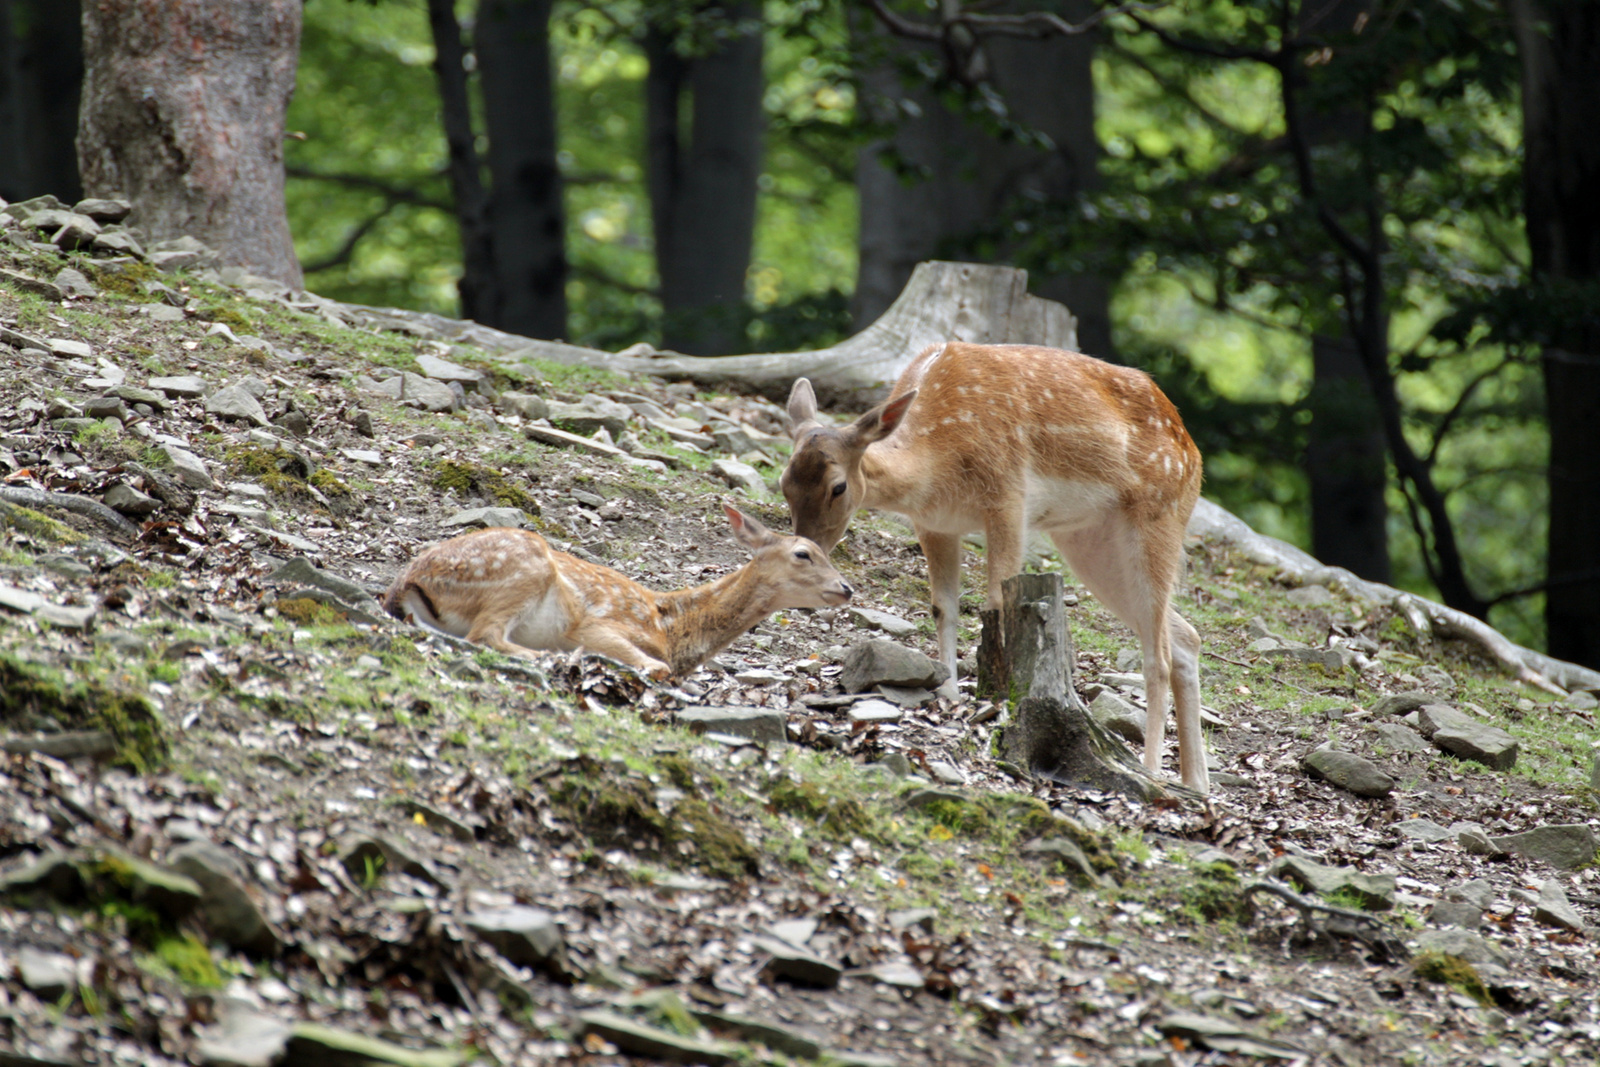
1025,659
942,302
78,505
1344,922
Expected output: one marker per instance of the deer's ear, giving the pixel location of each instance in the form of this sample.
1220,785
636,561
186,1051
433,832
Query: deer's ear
748,530
882,420
802,406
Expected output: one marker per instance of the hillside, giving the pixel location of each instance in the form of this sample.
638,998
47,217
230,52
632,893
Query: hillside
248,819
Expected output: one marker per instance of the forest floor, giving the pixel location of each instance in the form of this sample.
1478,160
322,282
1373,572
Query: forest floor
315,835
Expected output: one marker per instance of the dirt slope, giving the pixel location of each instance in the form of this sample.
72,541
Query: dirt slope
306,814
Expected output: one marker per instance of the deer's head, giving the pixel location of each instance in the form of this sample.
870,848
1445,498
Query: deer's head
823,481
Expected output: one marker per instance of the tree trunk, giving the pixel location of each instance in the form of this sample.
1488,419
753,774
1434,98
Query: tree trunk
183,113
41,68
477,284
1347,448
1560,45
966,177
942,302
1025,660
703,180
512,40
1346,463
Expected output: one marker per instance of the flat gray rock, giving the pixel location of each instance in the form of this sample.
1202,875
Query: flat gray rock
103,209
1398,737
874,712
740,475
526,936
229,912
1431,718
487,517
301,570
1464,943
1476,891
74,283
69,745
652,1042
1348,771
1458,913
1067,853
1119,715
586,418
527,405
765,725
128,500
442,370
873,619
188,468
879,661
363,455
1566,846
797,964
1554,909
426,393
236,402
1480,743
1424,830
1475,839
244,1037
49,974
64,348
316,1045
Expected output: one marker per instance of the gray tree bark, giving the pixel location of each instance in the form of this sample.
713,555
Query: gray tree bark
1560,46
512,40
702,177
183,113
1025,660
966,176
41,68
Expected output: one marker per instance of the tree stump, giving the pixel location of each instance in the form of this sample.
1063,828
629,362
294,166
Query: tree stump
1025,660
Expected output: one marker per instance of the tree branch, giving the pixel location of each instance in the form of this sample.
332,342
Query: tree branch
348,247
396,194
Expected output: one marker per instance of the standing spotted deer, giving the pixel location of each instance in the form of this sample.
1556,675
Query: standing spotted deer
1012,438
510,590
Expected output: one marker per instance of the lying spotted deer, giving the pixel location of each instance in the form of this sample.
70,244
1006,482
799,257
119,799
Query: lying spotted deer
510,590
1012,438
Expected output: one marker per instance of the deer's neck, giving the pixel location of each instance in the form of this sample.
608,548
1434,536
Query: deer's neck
700,622
896,476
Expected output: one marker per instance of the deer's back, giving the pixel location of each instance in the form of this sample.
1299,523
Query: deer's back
1070,434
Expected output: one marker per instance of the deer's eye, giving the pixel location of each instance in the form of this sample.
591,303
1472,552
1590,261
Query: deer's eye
802,554
838,490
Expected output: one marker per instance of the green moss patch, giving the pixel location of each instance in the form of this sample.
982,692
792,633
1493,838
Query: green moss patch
842,815
468,479
624,814
36,698
1453,971
37,525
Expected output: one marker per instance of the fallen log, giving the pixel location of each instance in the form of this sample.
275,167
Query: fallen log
942,302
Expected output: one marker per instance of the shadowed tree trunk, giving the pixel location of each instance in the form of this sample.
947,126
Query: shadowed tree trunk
964,176
512,41
41,68
1560,46
477,284
704,123
183,113
1346,450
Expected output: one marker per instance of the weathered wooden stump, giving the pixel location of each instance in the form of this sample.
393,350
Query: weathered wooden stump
1025,660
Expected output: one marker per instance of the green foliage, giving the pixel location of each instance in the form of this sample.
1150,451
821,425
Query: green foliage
467,478
840,814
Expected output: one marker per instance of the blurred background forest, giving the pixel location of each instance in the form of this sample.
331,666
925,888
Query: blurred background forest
1355,241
